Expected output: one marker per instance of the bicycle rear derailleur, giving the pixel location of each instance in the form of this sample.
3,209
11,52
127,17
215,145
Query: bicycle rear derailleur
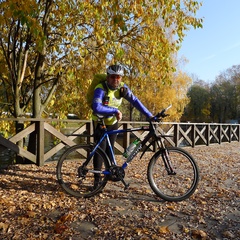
117,174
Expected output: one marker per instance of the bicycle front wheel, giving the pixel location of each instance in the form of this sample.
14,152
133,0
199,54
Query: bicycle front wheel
76,173
178,185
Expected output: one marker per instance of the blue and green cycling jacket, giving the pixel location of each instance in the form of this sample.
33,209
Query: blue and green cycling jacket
114,103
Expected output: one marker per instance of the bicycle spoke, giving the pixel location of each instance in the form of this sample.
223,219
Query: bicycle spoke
76,178
177,186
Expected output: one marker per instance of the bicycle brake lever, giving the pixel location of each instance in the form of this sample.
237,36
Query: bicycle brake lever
165,115
162,114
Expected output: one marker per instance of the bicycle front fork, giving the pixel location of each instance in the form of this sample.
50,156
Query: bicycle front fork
167,162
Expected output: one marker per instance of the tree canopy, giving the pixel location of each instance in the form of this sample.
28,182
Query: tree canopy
50,49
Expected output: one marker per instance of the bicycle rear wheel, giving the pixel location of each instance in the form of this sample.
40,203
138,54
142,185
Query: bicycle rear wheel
173,187
75,172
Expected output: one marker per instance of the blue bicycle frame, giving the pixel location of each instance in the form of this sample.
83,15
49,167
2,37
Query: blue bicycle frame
110,132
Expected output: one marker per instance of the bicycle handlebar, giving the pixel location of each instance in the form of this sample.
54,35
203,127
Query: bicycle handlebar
161,114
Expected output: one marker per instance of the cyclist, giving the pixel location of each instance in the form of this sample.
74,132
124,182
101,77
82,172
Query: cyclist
106,103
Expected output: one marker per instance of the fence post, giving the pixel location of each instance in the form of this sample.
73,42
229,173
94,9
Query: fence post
40,142
220,133
89,128
230,133
238,132
126,136
193,135
176,134
19,127
207,134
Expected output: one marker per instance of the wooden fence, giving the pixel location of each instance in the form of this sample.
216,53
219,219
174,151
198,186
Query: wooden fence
184,134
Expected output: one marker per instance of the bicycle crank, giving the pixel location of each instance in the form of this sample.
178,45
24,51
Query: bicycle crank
118,174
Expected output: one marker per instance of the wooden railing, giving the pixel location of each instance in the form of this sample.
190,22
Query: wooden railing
183,134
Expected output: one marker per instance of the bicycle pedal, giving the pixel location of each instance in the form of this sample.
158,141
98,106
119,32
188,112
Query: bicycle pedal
126,185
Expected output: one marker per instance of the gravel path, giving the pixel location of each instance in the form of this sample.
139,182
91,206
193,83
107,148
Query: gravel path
32,206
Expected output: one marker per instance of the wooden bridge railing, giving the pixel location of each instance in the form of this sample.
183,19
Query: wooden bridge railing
184,134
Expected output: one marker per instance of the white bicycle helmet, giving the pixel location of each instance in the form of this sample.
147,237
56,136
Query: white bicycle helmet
115,69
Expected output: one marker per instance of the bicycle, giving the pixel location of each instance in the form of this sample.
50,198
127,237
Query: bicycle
172,172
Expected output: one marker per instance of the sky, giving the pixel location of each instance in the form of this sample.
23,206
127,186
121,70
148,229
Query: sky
214,48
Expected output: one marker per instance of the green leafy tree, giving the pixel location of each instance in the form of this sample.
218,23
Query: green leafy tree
219,102
225,96
198,109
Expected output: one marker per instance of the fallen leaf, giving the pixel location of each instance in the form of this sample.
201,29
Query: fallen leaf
4,227
65,218
201,220
163,230
171,207
228,234
199,234
60,228
31,214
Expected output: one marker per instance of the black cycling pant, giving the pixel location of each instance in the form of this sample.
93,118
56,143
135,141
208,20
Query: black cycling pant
97,161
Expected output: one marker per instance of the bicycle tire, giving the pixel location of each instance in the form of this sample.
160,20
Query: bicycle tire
76,179
176,187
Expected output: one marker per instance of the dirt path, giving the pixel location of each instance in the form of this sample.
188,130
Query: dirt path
32,206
